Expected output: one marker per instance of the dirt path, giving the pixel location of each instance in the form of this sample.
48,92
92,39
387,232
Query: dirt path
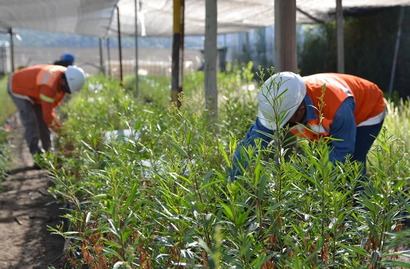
26,209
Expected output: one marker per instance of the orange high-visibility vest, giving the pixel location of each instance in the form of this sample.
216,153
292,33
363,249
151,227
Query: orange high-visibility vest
328,91
42,85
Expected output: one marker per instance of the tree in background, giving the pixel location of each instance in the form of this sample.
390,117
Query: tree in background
369,48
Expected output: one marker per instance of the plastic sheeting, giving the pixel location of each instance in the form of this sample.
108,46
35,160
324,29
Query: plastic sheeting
155,16
84,17
98,17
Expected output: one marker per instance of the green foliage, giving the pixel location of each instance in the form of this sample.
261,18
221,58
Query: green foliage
4,154
163,200
369,44
398,121
151,88
7,107
316,54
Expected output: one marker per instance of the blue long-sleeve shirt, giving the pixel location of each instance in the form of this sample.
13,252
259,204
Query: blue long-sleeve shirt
343,127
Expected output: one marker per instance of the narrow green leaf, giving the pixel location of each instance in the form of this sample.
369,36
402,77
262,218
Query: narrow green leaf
228,211
222,150
130,198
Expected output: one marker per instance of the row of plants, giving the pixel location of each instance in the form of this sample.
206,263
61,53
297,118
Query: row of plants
6,110
7,107
4,154
162,198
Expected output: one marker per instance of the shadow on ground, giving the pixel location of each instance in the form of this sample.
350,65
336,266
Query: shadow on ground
20,170
26,211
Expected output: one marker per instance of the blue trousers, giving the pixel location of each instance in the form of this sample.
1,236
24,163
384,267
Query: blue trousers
365,137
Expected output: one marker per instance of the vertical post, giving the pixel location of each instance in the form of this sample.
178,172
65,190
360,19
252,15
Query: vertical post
11,49
177,51
285,36
108,57
136,47
119,42
340,39
102,71
211,50
396,51
285,53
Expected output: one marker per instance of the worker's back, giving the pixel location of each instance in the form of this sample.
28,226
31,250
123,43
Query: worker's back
27,81
368,97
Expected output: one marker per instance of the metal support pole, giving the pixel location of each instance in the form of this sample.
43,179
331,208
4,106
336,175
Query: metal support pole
396,51
102,71
340,39
210,54
108,57
177,51
119,43
11,49
285,36
136,47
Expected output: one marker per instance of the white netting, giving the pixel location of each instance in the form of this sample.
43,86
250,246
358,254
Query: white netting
84,17
98,17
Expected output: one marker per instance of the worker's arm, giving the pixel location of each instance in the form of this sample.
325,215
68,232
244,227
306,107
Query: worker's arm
343,127
47,96
257,131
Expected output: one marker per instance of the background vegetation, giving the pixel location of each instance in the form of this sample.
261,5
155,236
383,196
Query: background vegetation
369,45
7,107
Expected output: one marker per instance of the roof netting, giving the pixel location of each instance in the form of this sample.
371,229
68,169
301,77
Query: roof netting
84,17
99,18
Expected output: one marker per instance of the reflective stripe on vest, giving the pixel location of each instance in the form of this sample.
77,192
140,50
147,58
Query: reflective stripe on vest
43,79
318,129
312,130
46,98
48,73
334,82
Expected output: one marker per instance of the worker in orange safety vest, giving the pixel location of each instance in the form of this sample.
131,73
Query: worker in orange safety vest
345,107
36,91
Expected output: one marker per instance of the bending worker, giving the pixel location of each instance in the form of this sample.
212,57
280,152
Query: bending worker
353,111
36,91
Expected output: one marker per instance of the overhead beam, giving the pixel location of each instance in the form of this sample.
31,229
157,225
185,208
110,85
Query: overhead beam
285,36
340,39
310,16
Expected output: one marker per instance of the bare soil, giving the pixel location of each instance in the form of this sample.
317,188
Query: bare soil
26,209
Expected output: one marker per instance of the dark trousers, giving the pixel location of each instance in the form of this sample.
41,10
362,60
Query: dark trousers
36,129
365,137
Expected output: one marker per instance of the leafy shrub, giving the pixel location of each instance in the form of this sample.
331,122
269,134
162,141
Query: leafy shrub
7,108
163,200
